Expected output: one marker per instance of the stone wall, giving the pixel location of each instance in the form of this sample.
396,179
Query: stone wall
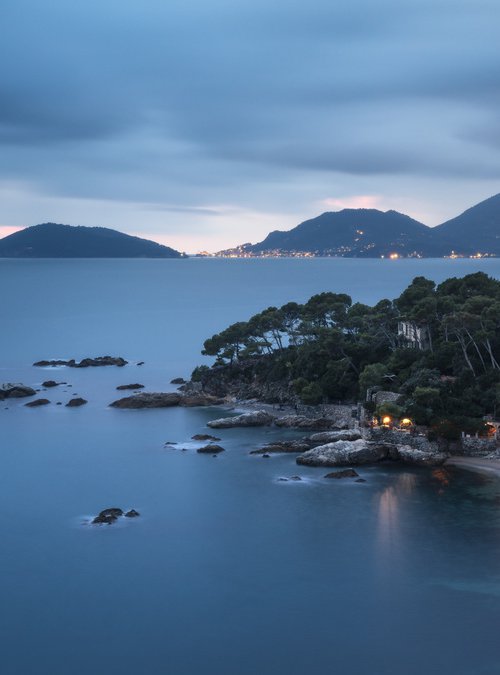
470,446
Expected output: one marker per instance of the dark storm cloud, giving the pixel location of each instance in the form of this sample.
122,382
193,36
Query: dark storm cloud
163,101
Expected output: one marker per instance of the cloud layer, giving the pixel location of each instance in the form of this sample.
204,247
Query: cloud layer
210,123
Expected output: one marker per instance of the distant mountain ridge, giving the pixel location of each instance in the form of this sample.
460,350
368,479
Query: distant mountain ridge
53,240
370,233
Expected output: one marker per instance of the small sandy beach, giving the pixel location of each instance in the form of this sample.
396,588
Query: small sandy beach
491,466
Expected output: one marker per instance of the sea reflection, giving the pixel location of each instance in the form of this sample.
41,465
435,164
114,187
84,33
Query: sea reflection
389,518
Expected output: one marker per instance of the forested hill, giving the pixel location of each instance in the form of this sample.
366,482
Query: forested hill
436,346
51,240
360,232
370,233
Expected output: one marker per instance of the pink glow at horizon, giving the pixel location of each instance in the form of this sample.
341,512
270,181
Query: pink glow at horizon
5,230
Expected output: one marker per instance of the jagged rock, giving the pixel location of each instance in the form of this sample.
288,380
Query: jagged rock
282,446
132,514
302,422
51,383
108,516
346,473
332,436
410,455
343,453
204,437
37,402
146,400
123,387
189,400
259,418
10,390
85,363
178,380
211,448
76,402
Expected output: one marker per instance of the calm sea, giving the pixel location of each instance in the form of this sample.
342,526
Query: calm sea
228,571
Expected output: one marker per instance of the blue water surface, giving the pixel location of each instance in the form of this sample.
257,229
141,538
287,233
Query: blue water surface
228,570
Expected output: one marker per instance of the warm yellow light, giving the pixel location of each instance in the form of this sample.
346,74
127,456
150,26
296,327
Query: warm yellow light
386,420
393,256
405,422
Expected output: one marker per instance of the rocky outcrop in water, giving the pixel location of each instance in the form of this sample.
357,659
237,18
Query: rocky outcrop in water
37,403
76,402
178,380
164,400
345,473
148,400
48,384
204,437
85,363
343,453
9,390
258,418
111,515
210,449
124,387
282,446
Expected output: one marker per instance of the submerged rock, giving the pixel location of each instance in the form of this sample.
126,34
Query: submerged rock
132,514
204,437
37,402
51,383
123,387
343,453
210,449
259,418
10,390
346,473
76,402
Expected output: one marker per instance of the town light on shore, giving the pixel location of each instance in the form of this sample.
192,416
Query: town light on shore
386,419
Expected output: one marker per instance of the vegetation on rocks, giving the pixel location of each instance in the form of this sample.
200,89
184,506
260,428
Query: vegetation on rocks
330,349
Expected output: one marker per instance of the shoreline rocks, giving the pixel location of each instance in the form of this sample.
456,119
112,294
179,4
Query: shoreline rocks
84,363
343,453
259,418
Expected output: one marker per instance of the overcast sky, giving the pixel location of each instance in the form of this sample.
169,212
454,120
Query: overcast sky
204,124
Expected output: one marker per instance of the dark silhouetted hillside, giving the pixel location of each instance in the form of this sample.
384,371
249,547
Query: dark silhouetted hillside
51,240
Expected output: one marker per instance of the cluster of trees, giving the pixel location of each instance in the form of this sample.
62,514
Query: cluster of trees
331,349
